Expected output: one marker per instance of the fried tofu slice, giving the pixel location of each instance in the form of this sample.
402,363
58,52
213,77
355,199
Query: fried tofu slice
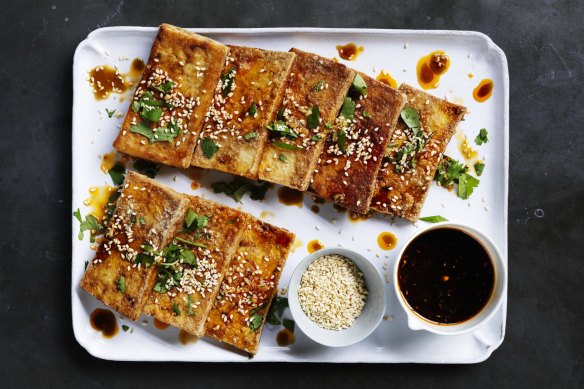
170,102
405,176
313,94
147,214
184,293
246,100
248,287
347,169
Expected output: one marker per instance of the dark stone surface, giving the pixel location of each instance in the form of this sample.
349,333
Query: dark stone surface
543,42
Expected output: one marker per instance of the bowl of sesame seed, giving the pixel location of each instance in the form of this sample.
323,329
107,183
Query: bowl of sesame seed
337,297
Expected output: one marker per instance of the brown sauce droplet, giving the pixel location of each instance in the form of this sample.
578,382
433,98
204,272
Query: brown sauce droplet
315,209
483,91
386,240
288,196
265,214
186,338
350,51
386,78
357,217
195,175
108,161
104,321
297,244
285,338
314,245
98,199
160,325
105,80
446,276
430,67
339,208
470,75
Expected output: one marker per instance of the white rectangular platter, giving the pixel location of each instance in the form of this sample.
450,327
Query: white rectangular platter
396,51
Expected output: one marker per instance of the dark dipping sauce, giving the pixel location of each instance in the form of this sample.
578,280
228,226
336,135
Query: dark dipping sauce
104,320
446,276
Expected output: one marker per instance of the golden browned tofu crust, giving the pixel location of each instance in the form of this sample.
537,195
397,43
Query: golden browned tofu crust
251,282
402,194
187,305
181,74
313,82
347,171
246,100
146,213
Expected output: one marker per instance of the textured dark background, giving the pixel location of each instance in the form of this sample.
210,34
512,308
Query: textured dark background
543,41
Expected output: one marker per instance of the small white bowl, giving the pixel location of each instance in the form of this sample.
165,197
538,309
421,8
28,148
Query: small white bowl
364,325
417,322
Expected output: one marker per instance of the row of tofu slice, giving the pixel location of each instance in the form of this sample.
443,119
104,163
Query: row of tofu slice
239,260
225,97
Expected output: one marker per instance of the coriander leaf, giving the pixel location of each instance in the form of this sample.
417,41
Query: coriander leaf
258,192
86,264
276,311
342,140
149,169
125,328
319,86
280,115
165,87
255,321
147,100
482,137
190,217
143,129
209,148
239,192
287,146
449,170
313,118
281,127
238,187
110,114
136,106
77,215
190,311
142,221
348,109
466,185
175,308
288,324
315,138
250,135
282,158
359,85
479,167
133,219
188,257
117,173
152,115
411,117
253,109
433,219
122,284
92,225
367,115
192,220
145,259
227,82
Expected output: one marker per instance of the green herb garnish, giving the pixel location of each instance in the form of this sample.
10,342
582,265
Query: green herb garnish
175,308
162,134
255,319
165,87
253,109
319,86
250,135
482,137
277,308
315,138
342,140
449,171
191,243
190,311
359,85
227,82
192,220
152,114
411,117
283,129
122,284
433,219
282,158
405,157
149,169
466,185
90,224
117,173
479,167
209,147
348,109
313,118
239,186
142,221
367,115
125,328
288,324
110,114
